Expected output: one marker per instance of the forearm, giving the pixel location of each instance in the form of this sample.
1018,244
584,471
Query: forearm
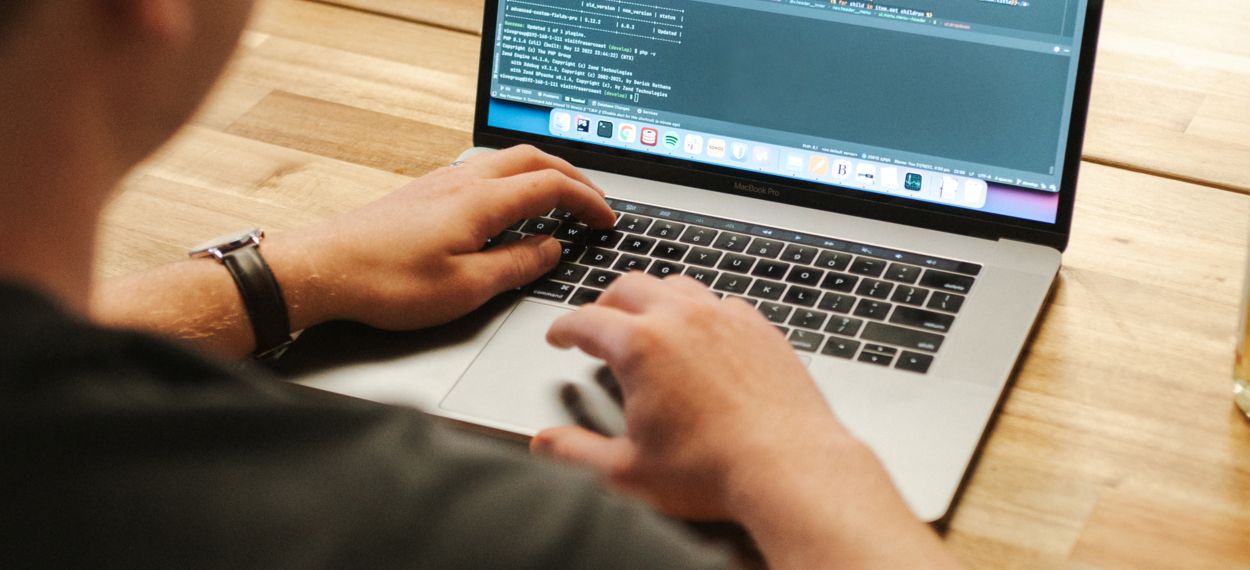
835,508
196,301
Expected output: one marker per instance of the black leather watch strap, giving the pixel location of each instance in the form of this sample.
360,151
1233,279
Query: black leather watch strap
262,297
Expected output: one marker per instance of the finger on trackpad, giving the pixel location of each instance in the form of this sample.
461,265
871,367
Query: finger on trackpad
515,382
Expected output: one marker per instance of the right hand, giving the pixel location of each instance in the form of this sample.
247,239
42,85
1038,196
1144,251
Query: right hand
714,395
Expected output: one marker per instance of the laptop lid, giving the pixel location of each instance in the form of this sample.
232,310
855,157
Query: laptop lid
964,116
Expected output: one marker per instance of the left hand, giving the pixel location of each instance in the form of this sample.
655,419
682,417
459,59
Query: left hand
413,259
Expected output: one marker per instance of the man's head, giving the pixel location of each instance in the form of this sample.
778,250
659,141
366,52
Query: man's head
9,11
113,77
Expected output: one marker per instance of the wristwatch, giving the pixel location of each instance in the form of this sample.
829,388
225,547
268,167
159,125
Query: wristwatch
262,297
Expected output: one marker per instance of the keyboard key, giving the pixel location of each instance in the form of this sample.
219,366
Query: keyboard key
583,296
805,275
629,263
770,290
670,250
776,312
665,229
703,256
517,226
572,232
699,236
835,260
800,254
840,348
875,358
902,273
808,319
868,266
947,281
633,223
541,226
765,247
806,341
906,338
747,300
921,318
702,275
562,215
600,279
596,257
637,244
868,308
874,288
948,302
568,272
508,236
663,269
771,269
736,263
731,283
909,295
837,303
845,326
839,282
604,238
732,242
571,251
552,291
802,296
914,362
881,349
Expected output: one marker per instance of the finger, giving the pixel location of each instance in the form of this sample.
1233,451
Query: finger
599,331
515,264
521,159
504,201
689,287
579,446
581,411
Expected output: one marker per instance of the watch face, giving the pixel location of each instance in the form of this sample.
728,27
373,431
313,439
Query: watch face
228,243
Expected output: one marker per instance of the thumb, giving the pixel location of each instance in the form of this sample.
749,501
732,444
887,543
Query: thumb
580,446
517,263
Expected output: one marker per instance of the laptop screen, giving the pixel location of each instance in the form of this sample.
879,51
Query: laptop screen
959,103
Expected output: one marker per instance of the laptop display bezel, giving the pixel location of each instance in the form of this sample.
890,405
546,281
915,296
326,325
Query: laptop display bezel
814,195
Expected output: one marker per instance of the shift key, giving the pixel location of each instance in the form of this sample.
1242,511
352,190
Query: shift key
921,318
899,336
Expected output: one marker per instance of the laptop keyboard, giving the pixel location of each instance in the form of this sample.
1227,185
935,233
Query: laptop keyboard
828,296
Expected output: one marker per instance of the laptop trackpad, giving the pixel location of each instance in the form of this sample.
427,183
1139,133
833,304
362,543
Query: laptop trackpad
515,381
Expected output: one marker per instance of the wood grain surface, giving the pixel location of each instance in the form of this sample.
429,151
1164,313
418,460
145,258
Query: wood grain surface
1118,446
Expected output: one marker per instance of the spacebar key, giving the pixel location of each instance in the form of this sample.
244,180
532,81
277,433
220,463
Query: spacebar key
899,336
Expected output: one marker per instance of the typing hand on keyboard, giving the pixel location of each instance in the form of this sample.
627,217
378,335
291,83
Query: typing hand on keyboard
414,258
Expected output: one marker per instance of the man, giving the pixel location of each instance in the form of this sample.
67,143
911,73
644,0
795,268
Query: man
123,450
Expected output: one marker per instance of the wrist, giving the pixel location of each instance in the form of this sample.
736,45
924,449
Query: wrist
309,294
811,496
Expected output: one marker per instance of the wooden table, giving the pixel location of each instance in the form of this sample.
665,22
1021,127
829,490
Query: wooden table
1118,445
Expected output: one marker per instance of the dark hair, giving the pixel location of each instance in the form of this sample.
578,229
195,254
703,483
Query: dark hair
10,12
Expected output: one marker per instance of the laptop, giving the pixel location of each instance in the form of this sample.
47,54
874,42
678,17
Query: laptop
891,185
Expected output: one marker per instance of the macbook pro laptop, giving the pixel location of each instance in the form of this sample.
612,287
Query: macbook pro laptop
890,184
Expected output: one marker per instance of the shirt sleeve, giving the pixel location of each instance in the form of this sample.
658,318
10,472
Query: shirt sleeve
479,503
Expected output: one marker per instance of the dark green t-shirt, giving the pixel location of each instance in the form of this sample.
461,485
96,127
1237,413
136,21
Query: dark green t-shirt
123,451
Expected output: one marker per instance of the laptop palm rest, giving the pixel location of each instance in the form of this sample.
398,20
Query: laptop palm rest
515,381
